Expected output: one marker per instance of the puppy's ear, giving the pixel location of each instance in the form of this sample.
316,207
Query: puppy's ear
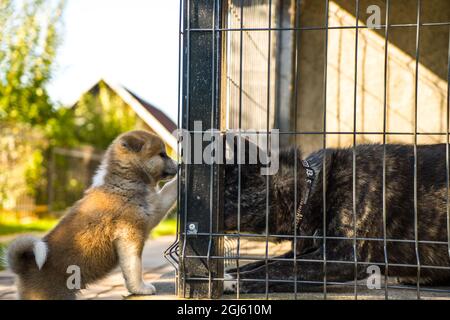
132,143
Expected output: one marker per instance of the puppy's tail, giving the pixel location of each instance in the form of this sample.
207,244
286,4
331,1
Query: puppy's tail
26,252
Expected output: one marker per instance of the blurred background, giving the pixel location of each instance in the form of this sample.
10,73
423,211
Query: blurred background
73,76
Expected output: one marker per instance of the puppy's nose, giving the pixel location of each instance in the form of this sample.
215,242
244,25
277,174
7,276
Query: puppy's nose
171,168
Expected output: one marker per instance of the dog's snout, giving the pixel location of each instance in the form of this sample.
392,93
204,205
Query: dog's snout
171,168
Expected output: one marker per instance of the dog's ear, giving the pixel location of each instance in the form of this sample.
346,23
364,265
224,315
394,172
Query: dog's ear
132,143
243,146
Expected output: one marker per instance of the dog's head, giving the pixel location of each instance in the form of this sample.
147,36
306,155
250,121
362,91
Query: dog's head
246,188
143,154
254,201
245,198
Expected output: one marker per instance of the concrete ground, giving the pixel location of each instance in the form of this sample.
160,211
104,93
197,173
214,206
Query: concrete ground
159,272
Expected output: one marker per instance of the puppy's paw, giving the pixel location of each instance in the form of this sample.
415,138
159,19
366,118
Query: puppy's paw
146,289
230,284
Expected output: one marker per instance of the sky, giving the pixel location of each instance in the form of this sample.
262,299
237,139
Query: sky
129,42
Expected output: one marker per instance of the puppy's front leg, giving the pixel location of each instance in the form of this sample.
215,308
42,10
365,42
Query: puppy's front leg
168,195
131,264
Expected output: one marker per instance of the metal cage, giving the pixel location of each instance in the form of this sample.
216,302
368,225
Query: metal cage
324,77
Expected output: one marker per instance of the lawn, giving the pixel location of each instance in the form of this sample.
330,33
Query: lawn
165,228
10,226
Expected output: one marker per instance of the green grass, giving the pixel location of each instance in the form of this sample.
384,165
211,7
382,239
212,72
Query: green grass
10,226
165,228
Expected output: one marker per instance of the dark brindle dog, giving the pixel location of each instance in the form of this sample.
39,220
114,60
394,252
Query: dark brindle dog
339,225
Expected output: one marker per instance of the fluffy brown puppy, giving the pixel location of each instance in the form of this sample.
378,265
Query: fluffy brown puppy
106,228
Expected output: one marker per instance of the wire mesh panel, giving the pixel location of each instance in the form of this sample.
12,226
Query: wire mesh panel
356,94
199,202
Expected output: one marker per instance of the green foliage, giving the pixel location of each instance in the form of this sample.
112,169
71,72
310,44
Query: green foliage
29,39
21,147
14,226
30,33
101,115
167,227
61,129
34,171
28,44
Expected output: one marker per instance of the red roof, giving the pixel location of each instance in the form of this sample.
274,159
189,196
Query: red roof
158,114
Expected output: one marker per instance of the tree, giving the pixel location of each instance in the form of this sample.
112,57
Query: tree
29,39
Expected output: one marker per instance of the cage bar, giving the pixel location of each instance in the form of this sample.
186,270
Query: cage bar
324,168
385,107
355,106
447,151
416,221
200,210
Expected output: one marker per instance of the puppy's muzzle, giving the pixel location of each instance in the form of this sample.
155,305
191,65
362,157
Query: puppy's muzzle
171,169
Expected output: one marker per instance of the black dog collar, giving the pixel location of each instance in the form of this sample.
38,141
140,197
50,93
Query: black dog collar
310,178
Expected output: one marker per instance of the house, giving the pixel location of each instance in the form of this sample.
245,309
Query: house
136,112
